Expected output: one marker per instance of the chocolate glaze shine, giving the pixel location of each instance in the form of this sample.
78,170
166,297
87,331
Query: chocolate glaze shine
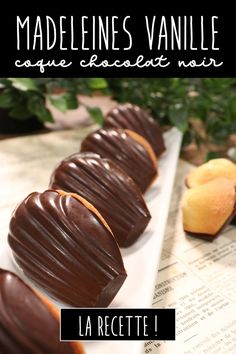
104,184
125,151
66,250
128,116
26,324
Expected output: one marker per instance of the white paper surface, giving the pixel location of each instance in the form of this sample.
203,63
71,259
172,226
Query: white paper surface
26,166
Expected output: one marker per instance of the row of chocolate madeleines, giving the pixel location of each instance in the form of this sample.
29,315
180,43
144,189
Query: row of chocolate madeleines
66,239
210,202
29,323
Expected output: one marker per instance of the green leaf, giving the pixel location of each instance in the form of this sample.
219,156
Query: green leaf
4,82
6,99
24,84
71,100
20,111
96,114
97,83
36,105
44,115
64,101
59,102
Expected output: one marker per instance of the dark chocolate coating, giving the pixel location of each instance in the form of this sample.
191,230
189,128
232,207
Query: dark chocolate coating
66,250
26,323
129,116
129,154
104,184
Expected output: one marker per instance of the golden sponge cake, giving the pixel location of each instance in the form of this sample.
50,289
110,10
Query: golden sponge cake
211,170
208,207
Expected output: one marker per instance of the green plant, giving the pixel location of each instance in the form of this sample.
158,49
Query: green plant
173,101
26,97
179,101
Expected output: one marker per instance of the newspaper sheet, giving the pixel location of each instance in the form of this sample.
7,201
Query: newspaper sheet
198,278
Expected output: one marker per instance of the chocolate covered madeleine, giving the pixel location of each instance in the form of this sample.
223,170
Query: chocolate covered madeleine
64,245
28,322
129,116
128,149
208,207
104,184
211,170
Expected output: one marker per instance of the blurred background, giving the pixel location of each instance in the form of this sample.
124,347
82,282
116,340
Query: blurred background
204,109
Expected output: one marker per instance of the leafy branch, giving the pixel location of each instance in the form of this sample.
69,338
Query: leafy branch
178,101
26,97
